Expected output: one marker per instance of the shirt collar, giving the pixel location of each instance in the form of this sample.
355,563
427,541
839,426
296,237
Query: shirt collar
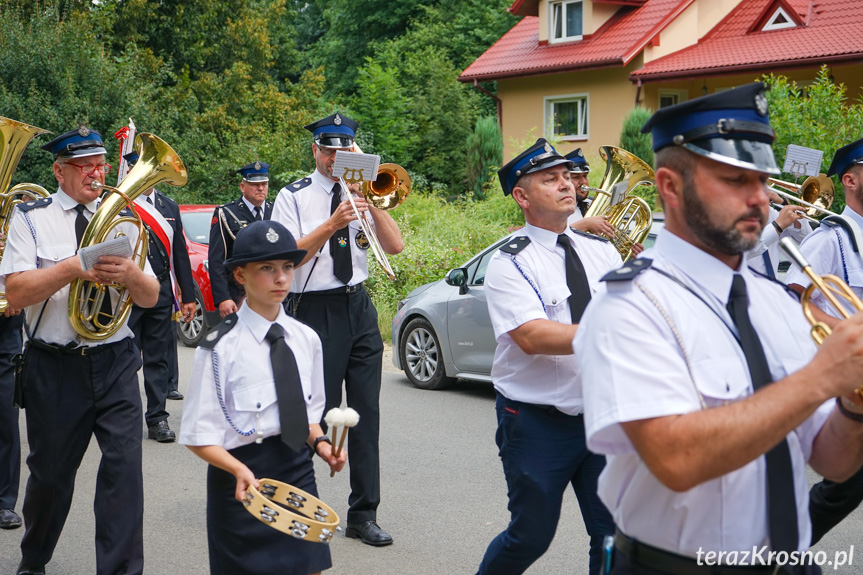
852,215
259,325
252,206
323,181
546,238
67,203
709,273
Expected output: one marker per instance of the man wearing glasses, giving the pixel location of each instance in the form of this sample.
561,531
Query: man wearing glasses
72,387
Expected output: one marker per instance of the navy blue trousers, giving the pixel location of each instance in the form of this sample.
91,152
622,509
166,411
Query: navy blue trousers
543,451
152,328
10,441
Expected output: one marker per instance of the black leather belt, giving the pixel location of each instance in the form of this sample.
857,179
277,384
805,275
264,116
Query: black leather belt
70,348
336,291
640,554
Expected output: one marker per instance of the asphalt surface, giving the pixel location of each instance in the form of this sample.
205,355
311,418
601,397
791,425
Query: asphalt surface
443,497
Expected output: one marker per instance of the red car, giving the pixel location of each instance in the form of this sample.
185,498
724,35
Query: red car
196,225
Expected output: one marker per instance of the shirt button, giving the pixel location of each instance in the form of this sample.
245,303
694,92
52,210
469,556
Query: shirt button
259,405
554,302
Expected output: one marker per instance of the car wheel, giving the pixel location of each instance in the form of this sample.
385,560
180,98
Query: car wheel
191,333
422,355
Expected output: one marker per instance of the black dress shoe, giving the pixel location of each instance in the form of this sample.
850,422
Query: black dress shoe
9,519
25,569
369,533
174,394
161,432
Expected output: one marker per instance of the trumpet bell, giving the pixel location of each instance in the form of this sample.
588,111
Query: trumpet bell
389,189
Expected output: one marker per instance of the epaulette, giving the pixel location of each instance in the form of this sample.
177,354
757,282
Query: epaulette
628,270
515,245
838,221
212,338
126,212
33,204
591,236
299,184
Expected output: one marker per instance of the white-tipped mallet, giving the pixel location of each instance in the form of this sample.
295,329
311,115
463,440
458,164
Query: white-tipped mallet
350,419
334,419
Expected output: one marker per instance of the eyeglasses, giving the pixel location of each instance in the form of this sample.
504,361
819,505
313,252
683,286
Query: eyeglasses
90,169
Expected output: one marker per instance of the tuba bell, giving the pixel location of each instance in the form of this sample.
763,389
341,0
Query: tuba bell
158,163
14,138
629,214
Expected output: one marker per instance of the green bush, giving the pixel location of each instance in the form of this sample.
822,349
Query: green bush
631,138
484,155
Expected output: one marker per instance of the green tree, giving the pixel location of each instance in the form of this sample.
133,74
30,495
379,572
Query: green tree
631,138
484,155
382,109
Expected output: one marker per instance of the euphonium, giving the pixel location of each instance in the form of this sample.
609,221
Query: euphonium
14,138
158,163
629,214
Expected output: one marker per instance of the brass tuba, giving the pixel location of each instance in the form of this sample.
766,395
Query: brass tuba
14,138
158,163
629,214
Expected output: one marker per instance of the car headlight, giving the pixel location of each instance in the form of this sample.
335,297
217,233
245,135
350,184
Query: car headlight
400,305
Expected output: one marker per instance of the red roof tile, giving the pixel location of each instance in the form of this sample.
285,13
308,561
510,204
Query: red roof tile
621,39
832,35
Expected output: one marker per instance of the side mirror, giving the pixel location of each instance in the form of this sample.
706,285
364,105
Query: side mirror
457,277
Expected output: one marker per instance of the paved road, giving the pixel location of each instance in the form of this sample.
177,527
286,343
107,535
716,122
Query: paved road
444,497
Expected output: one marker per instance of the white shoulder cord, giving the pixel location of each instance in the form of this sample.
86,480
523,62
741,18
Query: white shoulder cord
677,337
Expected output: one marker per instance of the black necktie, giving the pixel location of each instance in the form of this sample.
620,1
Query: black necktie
582,206
340,246
293,418
258,213
81,222
576,279
781,507
149,200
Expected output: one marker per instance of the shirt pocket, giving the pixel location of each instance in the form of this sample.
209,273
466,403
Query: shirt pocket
255,396
556,300
722,380
55,253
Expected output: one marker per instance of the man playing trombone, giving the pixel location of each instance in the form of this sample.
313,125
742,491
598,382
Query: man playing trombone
834,248
788,221
328,294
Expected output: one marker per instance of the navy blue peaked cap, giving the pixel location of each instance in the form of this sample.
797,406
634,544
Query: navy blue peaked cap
579,162
78,143
256,172
336,131
846,157
539,156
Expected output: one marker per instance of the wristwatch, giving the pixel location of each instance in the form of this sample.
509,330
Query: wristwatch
318,440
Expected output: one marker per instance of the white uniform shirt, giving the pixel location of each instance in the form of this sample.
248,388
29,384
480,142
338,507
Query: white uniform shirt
244,390
769,242
42,238
827,254
302,211
637,371
512,301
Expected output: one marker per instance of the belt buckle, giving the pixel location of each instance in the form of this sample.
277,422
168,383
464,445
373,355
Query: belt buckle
83,349
352,289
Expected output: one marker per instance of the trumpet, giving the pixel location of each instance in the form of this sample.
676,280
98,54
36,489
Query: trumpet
831,287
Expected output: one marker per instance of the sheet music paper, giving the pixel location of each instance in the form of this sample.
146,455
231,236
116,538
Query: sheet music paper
119,247
354,167
802,161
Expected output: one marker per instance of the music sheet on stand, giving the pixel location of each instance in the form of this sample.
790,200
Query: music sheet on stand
90,255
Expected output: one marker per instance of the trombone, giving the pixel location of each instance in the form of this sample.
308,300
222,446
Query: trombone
830,286
816,193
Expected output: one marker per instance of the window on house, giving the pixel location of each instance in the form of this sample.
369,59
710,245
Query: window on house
779,20
566,20
671,97
566,117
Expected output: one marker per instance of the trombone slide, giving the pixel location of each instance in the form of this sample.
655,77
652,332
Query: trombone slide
374,244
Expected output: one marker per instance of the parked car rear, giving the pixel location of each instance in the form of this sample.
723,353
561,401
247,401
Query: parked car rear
196,225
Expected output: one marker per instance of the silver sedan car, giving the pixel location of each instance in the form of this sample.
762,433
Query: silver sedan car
442,331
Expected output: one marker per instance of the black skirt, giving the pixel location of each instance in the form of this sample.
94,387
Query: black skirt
239,543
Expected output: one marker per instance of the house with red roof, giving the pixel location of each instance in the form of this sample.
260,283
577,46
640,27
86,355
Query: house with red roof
571,70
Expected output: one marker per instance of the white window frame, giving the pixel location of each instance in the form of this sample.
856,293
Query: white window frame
773,25
563,4
548,116
682,95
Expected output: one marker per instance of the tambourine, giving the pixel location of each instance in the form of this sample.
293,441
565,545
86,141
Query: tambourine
292,511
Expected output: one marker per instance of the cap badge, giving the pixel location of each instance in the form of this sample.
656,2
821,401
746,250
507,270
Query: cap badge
337,120
548,147
579,153
761,104
257,165
83,131
272,236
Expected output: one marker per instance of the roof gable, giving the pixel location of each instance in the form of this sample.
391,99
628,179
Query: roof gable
776,16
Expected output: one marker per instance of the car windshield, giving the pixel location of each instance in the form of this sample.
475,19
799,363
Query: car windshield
197,226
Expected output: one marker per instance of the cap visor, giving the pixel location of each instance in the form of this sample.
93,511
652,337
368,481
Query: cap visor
295,256
549,164
746,154
579,170
335,142
256,178
84,153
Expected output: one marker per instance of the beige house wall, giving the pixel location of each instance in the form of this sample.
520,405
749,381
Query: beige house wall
685,30
610,97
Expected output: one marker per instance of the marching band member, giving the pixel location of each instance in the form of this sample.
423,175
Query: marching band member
252,409
705,455
834,249
334,303
788,222
75,388
537,286
229,219
154,327
11,340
